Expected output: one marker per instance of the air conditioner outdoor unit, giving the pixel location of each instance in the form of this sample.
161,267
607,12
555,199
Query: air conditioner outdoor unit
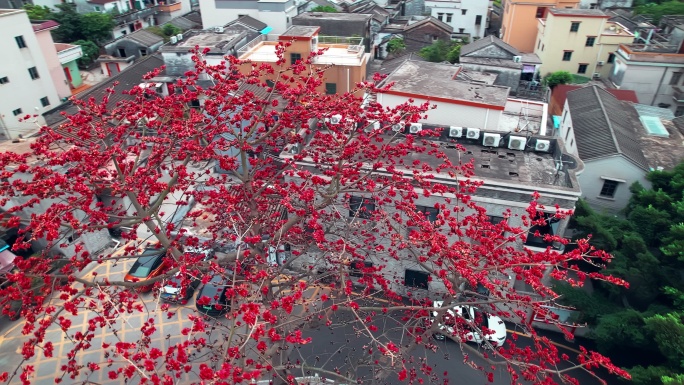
294,148
473,133
173,40
399,127
491,140
218,29
517,59
455,132
596,75
601,62
517,143
415,128
180,36
542,145
335,119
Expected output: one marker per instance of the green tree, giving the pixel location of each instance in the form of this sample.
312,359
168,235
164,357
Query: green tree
90,52
171,30
558,77
37,12
657,11
97,27
69,24
324,8
396,45
454,55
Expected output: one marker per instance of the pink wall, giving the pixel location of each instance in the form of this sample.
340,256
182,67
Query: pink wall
47,46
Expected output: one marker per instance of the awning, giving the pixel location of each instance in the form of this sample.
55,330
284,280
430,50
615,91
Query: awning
266,30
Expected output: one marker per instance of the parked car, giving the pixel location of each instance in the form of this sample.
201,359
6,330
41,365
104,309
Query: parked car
37,285
151,263
174,290
211,299
476,320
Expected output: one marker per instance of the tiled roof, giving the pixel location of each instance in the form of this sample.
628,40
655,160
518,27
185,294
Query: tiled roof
432,20
485,42
196,17
44,24
144,38
603,127
560,93
127,79
183,23
250,22
389,65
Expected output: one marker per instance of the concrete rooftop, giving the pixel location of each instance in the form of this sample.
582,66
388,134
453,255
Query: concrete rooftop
323,16
300,31
436,80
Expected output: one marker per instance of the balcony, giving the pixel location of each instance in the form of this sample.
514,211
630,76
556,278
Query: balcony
68,52
169,8
678,94
135,14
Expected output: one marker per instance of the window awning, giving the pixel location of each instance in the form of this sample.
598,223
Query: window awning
613,179
6,261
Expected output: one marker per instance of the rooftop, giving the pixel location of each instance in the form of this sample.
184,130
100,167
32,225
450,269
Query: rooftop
436,80
339,50
216,42
578,12
300,31
42,25
477,45
488,61
341,16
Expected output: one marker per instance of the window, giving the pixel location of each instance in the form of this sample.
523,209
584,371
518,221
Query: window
331,88
17,112
415,278
538,43
590,41
97,8
676,77
572,142
478,20
461,30
567,134
679,111
611,58
34,73
294,57
359,267
495,220
567,55
449,16
122,52
463,11
440,16
20,41
582,69
608,189
270,83
549,227
143,52
45,101
4,80
430,212
541,12
361,207
574,27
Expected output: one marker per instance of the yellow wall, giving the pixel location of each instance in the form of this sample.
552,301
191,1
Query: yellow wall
555,38
519,23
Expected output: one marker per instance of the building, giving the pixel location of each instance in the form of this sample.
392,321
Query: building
68,55
417,31
137,44
461,102
519,20
619,143
654,72
277,14
605,4
468,18
339,24
129,15
589,42
218,42
344,59
492,54
53,59
560,93
27,86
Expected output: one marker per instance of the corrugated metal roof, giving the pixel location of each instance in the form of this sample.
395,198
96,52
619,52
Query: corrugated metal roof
603,127
144,38
646,110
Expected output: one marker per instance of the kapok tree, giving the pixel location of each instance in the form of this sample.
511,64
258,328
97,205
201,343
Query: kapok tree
323,178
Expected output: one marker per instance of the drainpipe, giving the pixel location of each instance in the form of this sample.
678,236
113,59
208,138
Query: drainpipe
486,119
660,83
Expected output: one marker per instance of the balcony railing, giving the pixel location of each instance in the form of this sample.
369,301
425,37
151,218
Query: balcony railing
169,8
135,14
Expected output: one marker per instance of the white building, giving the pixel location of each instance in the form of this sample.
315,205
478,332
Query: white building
26,85
277,14
468,18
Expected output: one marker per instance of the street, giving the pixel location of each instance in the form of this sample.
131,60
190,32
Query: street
338,348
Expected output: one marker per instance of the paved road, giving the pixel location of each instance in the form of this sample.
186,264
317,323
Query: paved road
338,348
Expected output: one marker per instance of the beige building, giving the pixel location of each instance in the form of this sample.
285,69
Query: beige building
344,60
580,41
519,20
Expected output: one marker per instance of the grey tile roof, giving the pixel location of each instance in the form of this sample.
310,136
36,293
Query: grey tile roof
143,37
195,17
485,42
249,22
183,23
389,65
577,12
432,20
603,126
127,79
